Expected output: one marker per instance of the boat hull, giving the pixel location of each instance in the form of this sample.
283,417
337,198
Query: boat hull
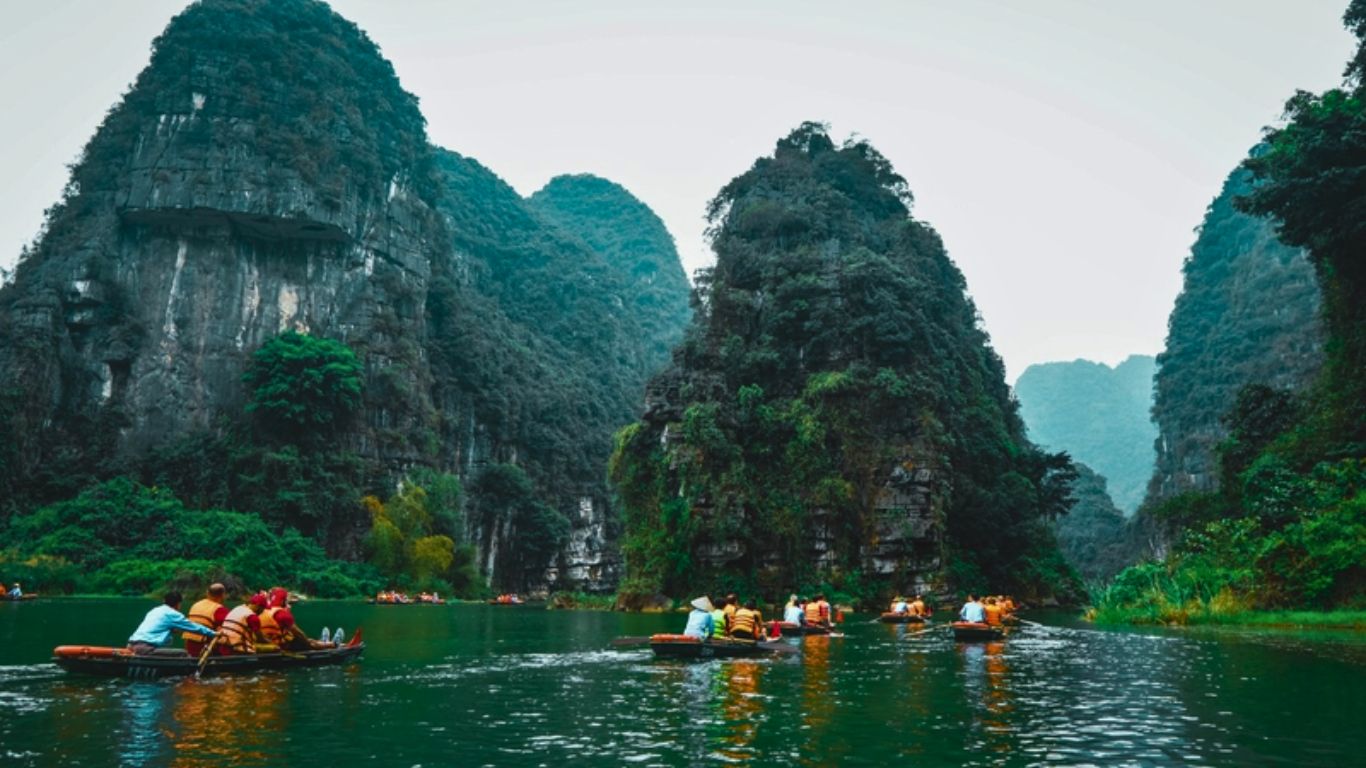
789,629
967,631
685,647
901,618
118,662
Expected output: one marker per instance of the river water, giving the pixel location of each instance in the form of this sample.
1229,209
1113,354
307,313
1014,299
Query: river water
474,685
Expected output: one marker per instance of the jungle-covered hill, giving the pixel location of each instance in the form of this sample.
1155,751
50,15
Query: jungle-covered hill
835,414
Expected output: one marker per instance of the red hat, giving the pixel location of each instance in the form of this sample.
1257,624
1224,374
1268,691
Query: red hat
278,596
284,618
258,599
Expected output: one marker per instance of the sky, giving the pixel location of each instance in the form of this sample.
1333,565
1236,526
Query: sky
1066,150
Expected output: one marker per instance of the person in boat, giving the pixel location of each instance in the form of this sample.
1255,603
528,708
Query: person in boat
918,607
276,600
818,612
242,627
792,612
1008,605
156,627
992,611
718,616
972,611
747,623
208,613
700,623
900,606
292,638
15,592
731,605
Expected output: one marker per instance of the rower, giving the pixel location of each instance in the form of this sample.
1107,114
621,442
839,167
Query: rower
15,591
156,626
972,610
208,613
700,622
747,623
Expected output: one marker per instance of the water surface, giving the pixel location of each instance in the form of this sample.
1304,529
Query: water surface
522,686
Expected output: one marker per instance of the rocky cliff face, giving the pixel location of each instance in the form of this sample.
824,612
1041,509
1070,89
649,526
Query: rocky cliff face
268,173
1248,313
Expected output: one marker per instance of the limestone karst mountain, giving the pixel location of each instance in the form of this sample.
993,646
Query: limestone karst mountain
267,173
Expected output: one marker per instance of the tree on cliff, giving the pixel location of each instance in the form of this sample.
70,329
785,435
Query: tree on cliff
833,351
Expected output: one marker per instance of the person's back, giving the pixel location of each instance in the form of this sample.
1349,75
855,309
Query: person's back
901,606
824,608
813,612
15,591
972,611
992,613
700,622
746,622
718,617
917,607
792,614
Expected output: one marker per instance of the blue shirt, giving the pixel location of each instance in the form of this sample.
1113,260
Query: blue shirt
901,607
700,624
156,626
973,612
16,592
792,614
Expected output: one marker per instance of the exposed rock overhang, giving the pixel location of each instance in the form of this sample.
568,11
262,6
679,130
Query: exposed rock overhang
257,226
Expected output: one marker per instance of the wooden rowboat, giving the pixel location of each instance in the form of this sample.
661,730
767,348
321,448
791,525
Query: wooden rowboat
901,618
971,631
689,647
175,662
788,629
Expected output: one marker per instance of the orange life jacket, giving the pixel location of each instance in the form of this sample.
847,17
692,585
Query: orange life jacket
236,631
993,613
813,612
202,613
917,608
269,629
746,621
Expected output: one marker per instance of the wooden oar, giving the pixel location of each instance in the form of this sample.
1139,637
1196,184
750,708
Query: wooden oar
204,656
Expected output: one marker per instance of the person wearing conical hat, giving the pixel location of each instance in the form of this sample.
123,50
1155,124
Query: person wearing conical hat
700,623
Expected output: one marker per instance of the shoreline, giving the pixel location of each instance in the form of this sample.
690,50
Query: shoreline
1275,619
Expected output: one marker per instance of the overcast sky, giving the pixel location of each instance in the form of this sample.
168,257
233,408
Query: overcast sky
1065,149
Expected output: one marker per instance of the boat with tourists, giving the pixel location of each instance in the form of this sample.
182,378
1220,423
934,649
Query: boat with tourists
976,631
175,662
901,618
798,630
667,646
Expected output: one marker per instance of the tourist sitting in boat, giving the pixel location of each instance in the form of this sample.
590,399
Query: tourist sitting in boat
730,606
792,612
700,623
818,612
156,626
292,638
972,610
718,616
242,626
208,613
900,606
747,623
276,600
918,607
992,611
15,592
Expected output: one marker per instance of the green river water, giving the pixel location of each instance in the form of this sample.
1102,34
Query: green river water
472,685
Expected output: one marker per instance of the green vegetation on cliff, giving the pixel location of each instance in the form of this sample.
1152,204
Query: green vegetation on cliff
1094,535
834,361
1099,415
1287,526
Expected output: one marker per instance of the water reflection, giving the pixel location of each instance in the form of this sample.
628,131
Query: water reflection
818,702
742,707
142,706
226,721
986,684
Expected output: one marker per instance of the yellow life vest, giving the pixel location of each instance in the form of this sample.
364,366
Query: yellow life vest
746,621
813,612
269,629
993,613
236,630
202,613
718,618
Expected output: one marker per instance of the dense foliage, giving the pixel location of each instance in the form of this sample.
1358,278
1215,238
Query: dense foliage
1099,415
1094,535
126,538
1247,314
833,352
302,387
1287,526
409,545
634,241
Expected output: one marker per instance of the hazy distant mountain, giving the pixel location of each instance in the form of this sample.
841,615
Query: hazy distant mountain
1099,415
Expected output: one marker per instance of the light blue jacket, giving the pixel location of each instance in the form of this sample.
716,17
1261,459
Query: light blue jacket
700,624
157,625
973,612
